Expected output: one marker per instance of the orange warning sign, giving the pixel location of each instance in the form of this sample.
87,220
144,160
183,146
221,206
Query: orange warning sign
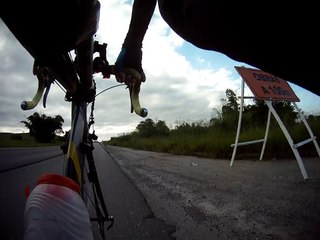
266,86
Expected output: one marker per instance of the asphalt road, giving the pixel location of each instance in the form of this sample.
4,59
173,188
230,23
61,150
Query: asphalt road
19,168
16,174
162,196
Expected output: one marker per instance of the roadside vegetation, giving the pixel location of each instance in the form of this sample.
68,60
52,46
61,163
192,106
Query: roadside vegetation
205,138
213,138
43,131
25,140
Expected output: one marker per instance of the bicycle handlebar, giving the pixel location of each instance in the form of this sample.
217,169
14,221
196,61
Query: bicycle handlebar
134,90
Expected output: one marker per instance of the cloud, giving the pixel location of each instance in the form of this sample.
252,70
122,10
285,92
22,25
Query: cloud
19,84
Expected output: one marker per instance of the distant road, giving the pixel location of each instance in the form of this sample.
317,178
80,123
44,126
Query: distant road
19,168
11,158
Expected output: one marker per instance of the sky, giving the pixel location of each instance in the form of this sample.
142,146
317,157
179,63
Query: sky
184,83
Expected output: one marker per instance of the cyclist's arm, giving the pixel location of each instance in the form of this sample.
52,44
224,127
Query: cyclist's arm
130,56
141,15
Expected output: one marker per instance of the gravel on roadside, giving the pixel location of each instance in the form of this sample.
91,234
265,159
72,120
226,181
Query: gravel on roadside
207,199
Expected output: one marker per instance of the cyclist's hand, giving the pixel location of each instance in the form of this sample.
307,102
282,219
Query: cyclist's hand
128,66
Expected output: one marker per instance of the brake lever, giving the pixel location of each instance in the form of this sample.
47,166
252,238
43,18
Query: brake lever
134,90
27,105
48,81
130,87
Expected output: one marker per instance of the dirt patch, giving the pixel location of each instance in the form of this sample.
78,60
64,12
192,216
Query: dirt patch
208,199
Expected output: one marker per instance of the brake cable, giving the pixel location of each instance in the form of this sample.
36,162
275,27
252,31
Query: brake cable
122,84
92,135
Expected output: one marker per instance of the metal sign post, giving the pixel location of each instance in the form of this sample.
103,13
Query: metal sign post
270,88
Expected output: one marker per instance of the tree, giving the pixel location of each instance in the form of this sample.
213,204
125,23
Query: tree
146,128
227,117
149,128
230,107
161,128
255,115
286,111
44,128
232,100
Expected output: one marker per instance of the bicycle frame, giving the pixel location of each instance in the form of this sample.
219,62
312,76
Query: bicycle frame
80,157
78,136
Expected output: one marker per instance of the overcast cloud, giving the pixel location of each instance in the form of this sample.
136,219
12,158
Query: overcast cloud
175,89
